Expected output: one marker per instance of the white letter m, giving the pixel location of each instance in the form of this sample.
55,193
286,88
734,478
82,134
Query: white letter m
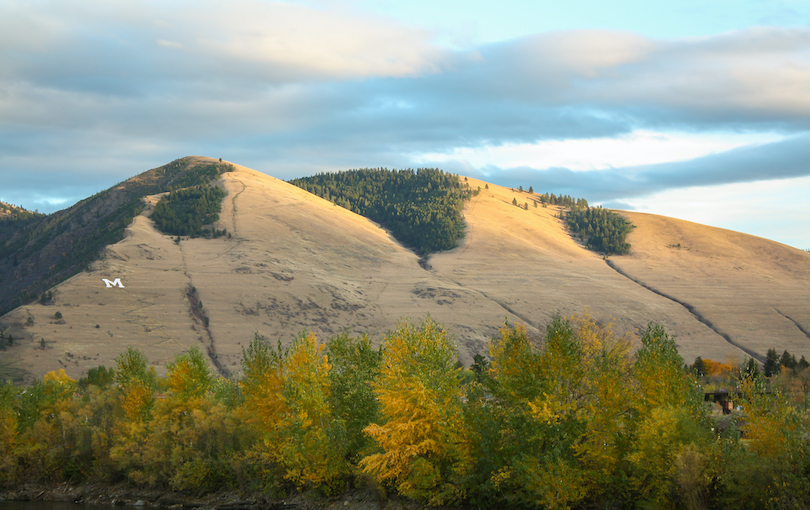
114,283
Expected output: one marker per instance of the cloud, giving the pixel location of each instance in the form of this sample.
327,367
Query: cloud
99,91
785,159
744,80
253,40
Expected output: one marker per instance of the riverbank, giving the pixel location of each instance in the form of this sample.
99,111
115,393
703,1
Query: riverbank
125,495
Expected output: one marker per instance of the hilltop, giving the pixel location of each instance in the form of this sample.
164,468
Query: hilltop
39,251
295,262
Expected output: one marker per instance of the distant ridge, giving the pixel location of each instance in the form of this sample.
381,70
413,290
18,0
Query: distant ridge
9,212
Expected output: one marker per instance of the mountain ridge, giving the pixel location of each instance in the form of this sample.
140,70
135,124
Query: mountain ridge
297,262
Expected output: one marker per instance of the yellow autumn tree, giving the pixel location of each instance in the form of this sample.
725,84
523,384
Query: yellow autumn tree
8,431
287,395
670,427
137,383
776,434
425,449
310,440
192,436
262,383
93,422
40,445
607,394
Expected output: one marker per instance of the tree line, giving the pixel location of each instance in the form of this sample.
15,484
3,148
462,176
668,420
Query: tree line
10,212
562,200
600,229
575,419
421,208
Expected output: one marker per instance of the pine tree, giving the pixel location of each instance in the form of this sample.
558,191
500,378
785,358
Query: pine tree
788,361
771,366
699,367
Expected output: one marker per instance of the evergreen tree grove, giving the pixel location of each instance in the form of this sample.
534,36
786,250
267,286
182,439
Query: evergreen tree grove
601,229
421,208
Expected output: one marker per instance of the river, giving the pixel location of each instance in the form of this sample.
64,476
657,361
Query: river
52,505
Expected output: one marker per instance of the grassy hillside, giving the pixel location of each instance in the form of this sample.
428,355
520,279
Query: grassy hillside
37,251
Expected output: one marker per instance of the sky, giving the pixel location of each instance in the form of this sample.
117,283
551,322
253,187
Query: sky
698,110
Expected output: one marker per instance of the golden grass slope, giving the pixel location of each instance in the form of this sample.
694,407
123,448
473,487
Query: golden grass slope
755,291
295,262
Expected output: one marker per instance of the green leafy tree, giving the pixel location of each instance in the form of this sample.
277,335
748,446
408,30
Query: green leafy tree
671,423
750,369
189,375
193,437
355,366
41,447
560,409
699,367
137,384
100,376
8,429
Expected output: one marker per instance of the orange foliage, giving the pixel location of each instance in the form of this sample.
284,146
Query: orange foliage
717,369
137,401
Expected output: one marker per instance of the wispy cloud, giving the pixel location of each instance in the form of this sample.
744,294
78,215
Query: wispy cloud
784,159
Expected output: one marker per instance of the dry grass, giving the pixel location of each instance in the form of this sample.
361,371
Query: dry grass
297,262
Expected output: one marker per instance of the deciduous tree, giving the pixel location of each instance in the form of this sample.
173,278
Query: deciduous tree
425,448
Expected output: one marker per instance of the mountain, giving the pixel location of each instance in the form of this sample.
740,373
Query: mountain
38,251
295,262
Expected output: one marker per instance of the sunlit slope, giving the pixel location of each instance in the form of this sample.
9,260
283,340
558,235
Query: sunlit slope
299,263
755,291
528,263
294,262
98,322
